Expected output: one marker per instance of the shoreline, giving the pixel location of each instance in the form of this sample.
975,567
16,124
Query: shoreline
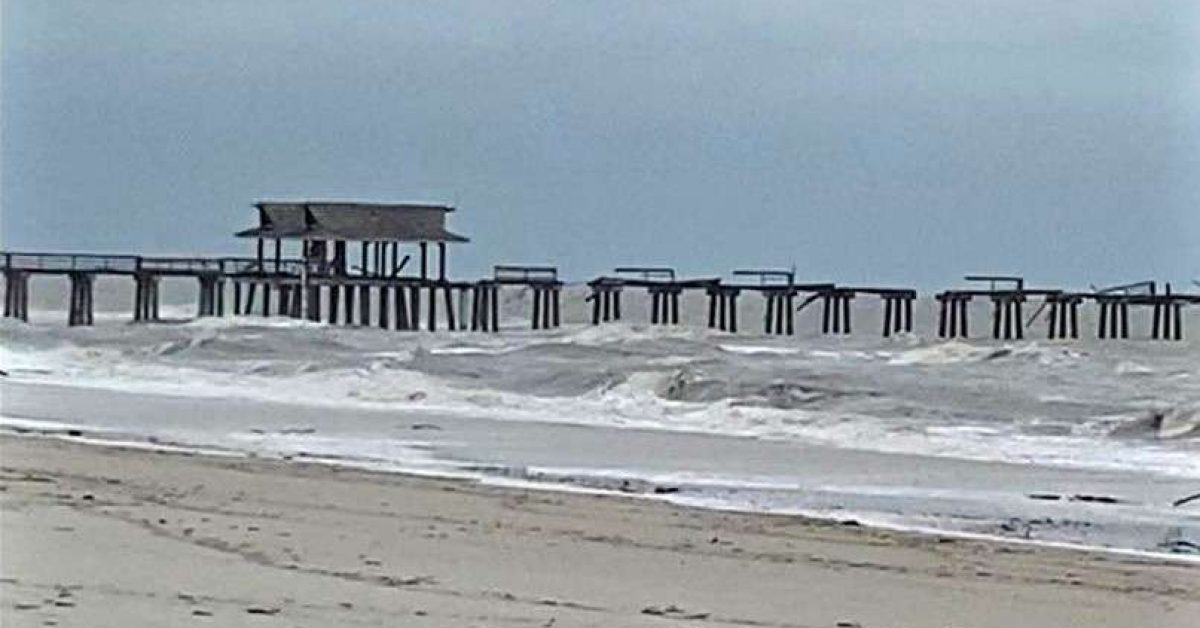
86,438
253,540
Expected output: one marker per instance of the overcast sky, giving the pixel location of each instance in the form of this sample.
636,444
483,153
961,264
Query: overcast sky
887,142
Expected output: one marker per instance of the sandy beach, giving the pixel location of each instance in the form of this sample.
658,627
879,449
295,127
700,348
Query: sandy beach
117,537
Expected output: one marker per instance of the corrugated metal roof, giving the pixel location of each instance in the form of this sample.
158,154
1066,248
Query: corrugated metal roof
338,220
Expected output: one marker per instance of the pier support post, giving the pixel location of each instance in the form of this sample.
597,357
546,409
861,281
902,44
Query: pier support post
348,295
448,295
400,305
335,302
16,295
432,308
384,303
81,307
364,305
494,300
414,306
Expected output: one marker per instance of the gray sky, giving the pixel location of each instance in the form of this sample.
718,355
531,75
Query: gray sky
887,141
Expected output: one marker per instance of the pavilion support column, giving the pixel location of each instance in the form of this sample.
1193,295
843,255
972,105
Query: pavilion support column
364,305
383,306
278,255
251,288
219,286
424,260
348,295
432,307
595,299
401,307
314,303
481,305
1052,317
448,295
335,301
266,300
285,300
1102,323
441,261
475,307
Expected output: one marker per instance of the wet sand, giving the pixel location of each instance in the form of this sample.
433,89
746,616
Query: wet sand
112,537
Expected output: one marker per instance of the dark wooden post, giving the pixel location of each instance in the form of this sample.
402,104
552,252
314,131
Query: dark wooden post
768,311
285,300
424,260
826,304
535,320
887,316
474,307
348,319
364,305
432,308
441,261
384,302
414,306
733,311
266,300
448,292
495,302
556,304
403,321
335,300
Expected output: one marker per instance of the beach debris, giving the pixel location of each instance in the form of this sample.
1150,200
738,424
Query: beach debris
27,606
1045,496
426,426
200,612
1095,499
391,581
1183,500
673,611
848,624
1181,546
262,610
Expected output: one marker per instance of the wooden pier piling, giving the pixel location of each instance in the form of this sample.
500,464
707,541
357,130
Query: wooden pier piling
81,308
16,294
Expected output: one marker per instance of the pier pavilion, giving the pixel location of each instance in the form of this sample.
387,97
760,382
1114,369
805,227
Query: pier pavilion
328,230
